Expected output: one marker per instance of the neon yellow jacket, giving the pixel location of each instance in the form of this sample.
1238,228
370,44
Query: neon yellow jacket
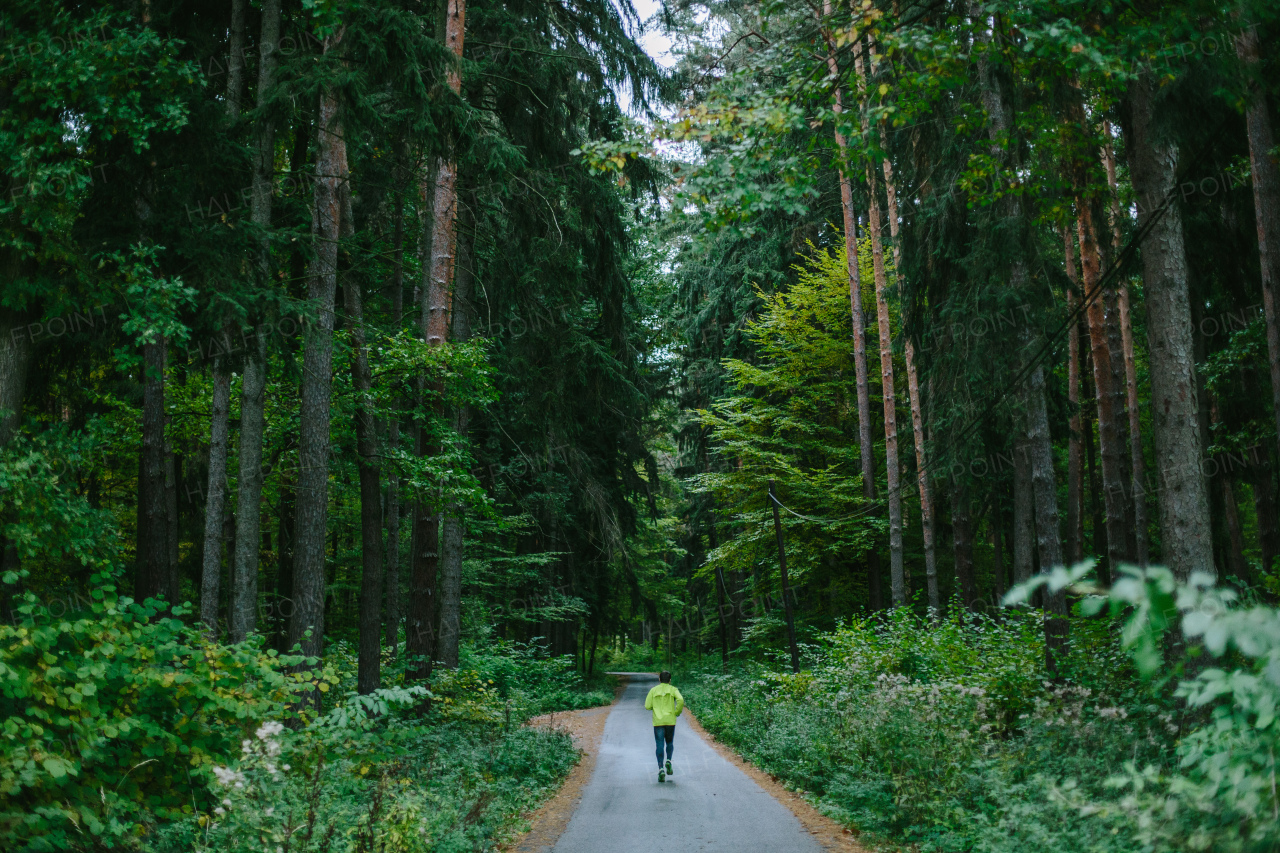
666,703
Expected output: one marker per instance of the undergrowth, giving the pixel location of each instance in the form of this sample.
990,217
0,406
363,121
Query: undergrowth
949,735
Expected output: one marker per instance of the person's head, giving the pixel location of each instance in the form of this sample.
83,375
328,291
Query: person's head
664,677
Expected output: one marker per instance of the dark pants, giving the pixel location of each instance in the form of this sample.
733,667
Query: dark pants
664,734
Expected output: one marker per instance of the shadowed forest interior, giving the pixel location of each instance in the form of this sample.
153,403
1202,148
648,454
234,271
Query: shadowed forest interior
375,375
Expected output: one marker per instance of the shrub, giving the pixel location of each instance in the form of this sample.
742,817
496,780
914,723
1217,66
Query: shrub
378,779
111,713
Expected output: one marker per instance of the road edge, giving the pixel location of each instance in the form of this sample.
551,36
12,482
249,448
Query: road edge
549,821
830,834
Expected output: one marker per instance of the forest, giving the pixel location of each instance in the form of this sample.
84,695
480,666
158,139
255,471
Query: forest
376,376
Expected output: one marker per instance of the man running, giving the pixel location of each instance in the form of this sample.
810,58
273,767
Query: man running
666,703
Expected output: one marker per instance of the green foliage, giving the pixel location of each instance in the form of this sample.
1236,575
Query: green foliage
515,681
790,415
394,784
942,734
53,529
1222,794
111,709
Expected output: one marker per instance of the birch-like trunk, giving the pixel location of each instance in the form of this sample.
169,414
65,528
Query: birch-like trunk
897,581
850,221
1186,540
311,504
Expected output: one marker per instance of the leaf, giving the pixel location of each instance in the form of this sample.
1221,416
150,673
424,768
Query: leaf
55,767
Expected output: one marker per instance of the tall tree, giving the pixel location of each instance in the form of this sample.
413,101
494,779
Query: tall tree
1186,540
436,316
1137,462
306,626
368,453
849,218
1114,485
1266,201
1075,462
893,494
248,543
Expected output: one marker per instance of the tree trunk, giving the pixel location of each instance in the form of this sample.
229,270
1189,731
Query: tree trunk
913,394
720,592
1266,202
451,528
962,530
248,542
1137,463
215,496
1098,545
369,663
284,563
420,640
897,581
1075,470
172,579
1187,543
997,552
923,480
1036,435
15,360
244,606
1114,485
1023,513
220,375
1048,541
152,568
393,430
235,59
866,447
317,379
1264,505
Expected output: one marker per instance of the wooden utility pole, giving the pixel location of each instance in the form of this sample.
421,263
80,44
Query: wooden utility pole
786,587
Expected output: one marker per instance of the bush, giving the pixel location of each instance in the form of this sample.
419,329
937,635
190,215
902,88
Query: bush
112,713
945,734
376,779
516,681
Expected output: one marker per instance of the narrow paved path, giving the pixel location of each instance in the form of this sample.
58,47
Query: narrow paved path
707,805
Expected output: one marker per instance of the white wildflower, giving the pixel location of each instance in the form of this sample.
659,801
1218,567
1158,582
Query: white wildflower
219,811
269,730
227,776
270,810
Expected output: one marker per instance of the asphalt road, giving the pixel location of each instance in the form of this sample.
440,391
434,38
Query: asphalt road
708,804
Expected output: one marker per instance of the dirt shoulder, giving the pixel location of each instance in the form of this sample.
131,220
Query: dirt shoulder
549,820
829,834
